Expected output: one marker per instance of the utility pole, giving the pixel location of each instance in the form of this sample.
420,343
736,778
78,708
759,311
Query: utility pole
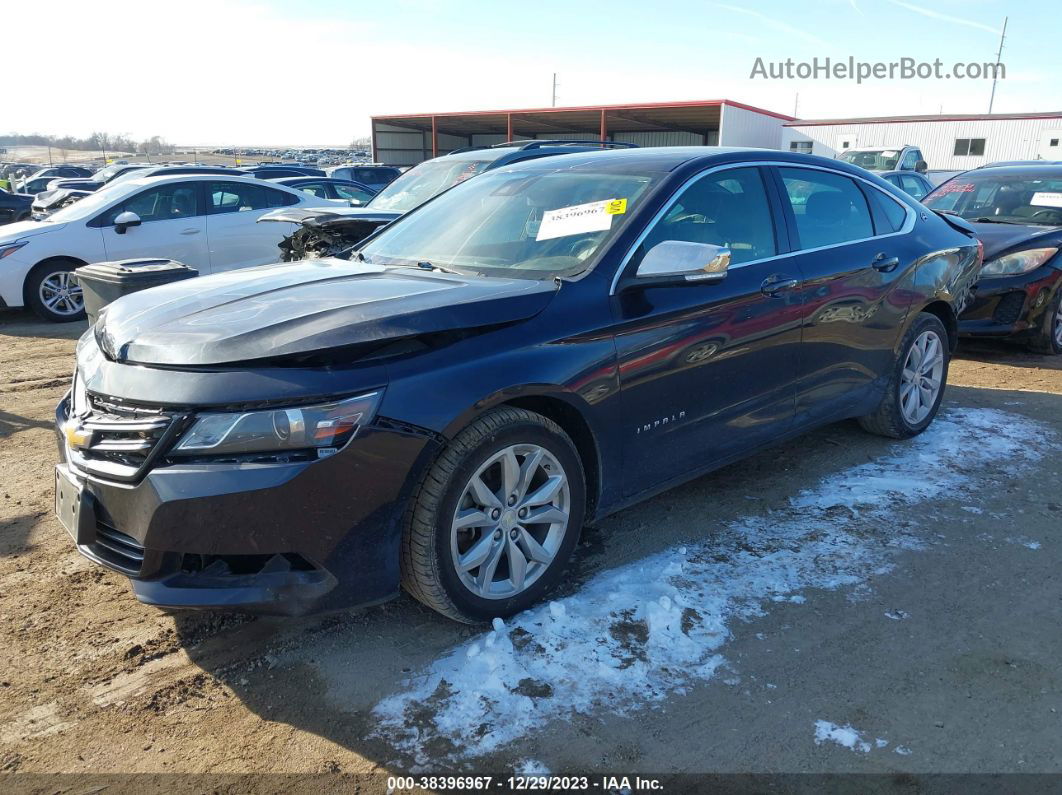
554,90
999,53
796,104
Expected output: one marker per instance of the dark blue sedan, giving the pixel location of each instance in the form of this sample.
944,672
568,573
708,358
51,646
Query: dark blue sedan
529,351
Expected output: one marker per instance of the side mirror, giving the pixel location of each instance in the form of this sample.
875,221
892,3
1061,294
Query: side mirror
680,262
125,220
921,166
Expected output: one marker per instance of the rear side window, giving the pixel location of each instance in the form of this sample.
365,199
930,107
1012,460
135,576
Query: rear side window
829,208
238,197
314,189
889,214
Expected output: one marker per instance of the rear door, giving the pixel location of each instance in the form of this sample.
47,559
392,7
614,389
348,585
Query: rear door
707,370
172,226
855,246
236,239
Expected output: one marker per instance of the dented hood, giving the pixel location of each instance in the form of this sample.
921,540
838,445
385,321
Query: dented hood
304,307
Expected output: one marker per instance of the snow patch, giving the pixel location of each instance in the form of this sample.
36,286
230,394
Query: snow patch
842,735
637,634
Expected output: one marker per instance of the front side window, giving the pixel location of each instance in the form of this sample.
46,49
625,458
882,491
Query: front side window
164,203
725,208
829,208
914,186
238,197
315,189
910,160
352,192
527,224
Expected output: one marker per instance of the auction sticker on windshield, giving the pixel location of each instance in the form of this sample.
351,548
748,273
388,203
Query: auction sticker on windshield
1047,199
580,218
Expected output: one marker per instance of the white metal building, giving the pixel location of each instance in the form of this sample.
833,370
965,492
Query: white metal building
408,139
947,142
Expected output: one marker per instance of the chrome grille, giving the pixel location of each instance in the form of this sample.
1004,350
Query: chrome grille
122,438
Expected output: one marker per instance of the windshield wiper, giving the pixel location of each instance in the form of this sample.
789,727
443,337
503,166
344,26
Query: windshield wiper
431,266
987,220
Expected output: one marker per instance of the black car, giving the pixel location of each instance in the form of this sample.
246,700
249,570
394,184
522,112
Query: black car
534,349
99,179
276,172
1016,211
15,206
354,193
334,232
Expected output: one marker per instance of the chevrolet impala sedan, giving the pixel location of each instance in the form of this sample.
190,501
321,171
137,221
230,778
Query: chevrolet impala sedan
525,353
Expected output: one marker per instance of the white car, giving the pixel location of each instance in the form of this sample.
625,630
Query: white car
207,221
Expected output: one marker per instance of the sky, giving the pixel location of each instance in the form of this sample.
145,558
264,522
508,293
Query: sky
260,72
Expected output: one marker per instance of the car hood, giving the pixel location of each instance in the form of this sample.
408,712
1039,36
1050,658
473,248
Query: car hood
997,238
305,307
9,233
325,216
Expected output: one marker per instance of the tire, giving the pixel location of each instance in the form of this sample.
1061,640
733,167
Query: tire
52,272
432,543
897,416
1048,338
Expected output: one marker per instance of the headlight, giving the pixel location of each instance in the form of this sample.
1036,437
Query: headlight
11,248
319,430
1018,262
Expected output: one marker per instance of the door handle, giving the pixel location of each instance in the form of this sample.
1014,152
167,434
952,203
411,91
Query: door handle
884,263
189,231
773,285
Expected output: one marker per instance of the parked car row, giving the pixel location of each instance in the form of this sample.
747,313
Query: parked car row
535,347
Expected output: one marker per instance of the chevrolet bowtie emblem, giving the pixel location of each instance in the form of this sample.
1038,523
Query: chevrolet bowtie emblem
75,436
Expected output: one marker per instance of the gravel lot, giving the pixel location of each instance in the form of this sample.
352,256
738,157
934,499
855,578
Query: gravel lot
786,614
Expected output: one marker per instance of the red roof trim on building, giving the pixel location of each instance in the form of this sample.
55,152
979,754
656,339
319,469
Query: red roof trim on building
707,103
895,119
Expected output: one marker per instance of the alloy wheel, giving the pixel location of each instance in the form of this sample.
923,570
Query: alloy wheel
61,294
510,521
1058,326
922,377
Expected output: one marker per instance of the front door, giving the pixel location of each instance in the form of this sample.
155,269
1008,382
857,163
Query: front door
707,370
172,226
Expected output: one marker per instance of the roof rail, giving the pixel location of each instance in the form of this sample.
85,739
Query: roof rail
538,143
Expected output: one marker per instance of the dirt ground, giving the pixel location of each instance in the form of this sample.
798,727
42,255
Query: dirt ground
970,679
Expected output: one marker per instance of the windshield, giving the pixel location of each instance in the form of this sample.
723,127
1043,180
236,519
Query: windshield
873,159
424,181
524,224
106,173
1009,197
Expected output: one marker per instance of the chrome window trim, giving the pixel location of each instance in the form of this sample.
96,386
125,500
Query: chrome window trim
908,224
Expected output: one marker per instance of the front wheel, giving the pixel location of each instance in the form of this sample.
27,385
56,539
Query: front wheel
916,384
53,292
1049,337
496,518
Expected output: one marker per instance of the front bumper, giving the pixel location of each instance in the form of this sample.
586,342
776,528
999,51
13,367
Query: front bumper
285,539
1011,305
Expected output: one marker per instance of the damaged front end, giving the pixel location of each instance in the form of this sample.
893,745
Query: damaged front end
326,232
50,201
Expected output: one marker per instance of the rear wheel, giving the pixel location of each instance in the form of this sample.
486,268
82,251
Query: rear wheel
496,518
1049,337
916,384
53,294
